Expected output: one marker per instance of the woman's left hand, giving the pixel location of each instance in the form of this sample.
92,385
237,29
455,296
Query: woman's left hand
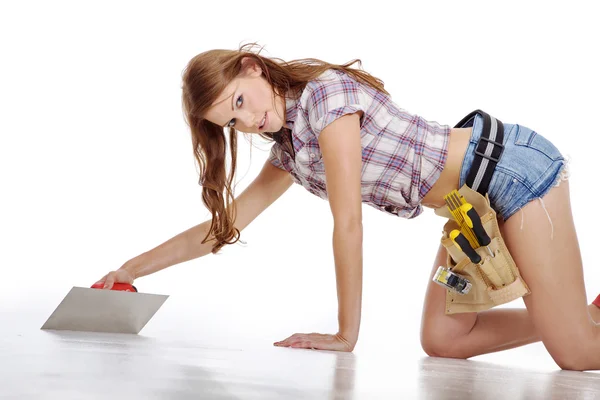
317,341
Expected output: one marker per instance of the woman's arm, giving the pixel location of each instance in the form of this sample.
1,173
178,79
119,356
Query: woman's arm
342,156
267,187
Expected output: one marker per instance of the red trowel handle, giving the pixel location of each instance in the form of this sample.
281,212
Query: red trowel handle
126,287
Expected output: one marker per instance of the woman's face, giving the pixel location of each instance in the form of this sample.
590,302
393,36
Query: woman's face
246,101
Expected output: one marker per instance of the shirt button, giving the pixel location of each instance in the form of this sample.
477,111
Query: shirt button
312,155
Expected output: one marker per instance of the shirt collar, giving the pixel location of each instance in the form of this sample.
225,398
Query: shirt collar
284,135
291,112
291,109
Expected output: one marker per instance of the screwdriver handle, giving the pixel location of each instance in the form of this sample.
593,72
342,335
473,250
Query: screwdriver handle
463,244
474,223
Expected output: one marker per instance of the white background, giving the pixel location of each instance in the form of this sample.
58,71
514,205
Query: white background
97,165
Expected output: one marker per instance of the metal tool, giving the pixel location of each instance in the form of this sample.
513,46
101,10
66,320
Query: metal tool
119,310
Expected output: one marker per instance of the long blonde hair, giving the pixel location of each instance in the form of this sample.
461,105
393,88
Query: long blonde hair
204,79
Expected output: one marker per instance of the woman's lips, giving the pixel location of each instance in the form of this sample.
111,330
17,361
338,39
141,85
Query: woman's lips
266,121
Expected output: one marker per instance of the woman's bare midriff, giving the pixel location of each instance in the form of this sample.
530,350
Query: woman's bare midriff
449,178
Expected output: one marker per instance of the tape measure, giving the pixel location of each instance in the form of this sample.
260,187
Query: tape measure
443,276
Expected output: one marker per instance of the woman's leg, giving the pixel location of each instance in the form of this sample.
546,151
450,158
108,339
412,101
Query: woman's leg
467,335
556,305
546,250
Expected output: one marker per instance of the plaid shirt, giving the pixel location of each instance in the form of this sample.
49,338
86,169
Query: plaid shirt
402,154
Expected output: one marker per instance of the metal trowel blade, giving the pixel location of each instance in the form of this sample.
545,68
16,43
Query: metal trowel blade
98,310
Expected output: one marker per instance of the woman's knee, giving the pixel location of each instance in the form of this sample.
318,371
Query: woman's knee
442,348
440,340
578,354
432,344
438,329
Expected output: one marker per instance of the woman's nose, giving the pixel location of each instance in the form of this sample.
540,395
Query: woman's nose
251,120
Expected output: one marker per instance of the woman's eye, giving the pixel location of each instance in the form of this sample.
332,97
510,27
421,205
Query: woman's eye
237,103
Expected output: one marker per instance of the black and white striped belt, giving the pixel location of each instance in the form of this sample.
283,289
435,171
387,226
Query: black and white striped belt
488,150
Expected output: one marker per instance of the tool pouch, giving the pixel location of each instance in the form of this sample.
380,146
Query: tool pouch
496,280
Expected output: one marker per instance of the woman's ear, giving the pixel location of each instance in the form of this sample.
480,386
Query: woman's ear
250,67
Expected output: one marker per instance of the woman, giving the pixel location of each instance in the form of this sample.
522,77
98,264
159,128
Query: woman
338,134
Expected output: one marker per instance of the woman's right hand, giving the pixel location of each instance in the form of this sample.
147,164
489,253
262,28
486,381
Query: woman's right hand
118,276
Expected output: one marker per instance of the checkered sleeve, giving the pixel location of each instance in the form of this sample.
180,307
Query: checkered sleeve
415,212
331,96
275,156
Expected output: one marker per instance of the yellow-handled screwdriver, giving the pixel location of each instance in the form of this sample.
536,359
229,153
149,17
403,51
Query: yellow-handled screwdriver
463,244
454,201
474,222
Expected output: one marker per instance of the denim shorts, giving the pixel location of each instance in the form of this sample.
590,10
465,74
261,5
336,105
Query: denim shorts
529,167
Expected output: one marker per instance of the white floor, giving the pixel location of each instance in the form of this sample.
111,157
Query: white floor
188,354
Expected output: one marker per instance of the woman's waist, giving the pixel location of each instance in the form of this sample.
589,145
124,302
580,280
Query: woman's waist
450,175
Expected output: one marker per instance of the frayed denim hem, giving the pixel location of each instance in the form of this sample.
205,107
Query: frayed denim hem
563,175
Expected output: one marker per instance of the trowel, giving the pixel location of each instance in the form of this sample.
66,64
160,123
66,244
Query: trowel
122,309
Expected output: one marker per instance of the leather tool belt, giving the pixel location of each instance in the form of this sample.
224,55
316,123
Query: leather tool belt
495,279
